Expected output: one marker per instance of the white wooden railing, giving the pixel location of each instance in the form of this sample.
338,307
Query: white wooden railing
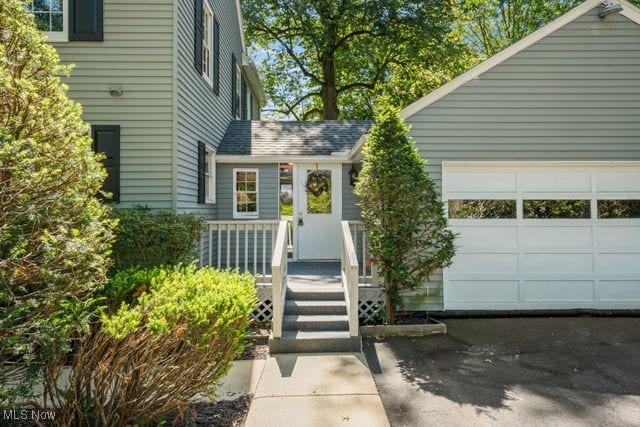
279,277
366,270
245,245
349,273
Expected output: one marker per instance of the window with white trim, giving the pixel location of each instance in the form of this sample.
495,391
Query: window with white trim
245,194
51,17
238,93
210,176
207,42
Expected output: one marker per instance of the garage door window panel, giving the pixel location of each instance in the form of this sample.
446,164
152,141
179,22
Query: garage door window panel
618,209
557,209
482,209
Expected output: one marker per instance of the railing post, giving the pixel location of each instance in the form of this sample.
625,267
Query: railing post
279,278
349,273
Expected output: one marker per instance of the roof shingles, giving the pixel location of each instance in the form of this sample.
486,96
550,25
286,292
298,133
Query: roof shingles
268,138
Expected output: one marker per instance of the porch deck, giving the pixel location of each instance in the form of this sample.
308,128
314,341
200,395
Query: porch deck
314,273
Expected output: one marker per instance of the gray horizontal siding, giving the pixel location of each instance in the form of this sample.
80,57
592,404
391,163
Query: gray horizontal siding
574,95
350,211
137,53
201,114
268,193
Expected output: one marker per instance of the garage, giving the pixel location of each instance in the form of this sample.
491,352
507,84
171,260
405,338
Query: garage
543,235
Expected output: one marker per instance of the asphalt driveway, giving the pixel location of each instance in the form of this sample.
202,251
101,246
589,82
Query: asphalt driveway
513,371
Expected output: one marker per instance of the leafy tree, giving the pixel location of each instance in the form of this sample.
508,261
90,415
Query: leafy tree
404,217
489,26
330,59
54,235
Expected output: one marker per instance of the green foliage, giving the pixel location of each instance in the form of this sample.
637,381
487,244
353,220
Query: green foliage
557,209
485,209
404,217
54,233
171,332
489,26
327,59
146,238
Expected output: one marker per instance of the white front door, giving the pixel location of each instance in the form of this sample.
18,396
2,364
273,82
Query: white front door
318,211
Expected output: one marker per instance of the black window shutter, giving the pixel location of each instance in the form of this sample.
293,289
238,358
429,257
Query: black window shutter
85,20
234,83
106,140
202,152
197,35
216,57
243,101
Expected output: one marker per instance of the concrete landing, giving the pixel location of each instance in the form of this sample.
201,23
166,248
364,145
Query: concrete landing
319,390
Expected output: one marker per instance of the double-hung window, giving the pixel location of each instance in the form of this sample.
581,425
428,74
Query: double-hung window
245,193
210,176
207,42
51,17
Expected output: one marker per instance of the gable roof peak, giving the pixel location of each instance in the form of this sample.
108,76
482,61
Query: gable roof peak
628,10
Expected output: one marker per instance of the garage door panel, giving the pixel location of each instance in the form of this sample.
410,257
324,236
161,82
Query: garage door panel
554,182
558,290
486,263
608,237
484,291
561,258
617,181
481,182
557,263
486,236
620,290
555,236
619,263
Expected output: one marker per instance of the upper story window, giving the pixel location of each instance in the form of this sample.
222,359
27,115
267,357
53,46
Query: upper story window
207,44
51,17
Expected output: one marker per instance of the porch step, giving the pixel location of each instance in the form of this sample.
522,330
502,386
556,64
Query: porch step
315,342
315,307
315,322
315,293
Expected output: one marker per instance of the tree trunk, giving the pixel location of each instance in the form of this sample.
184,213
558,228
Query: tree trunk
390,309
329,91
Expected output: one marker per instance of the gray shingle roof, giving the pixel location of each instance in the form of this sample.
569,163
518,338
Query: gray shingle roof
268,138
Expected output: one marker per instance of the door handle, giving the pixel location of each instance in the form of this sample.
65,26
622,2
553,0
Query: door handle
300,221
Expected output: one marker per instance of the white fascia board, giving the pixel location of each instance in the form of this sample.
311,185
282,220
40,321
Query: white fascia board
241,24
538,163
253,78
241,158
629,11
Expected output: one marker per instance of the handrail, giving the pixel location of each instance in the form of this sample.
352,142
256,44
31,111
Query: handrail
279,278
349,274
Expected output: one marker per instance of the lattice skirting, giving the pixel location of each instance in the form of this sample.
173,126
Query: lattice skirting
371,304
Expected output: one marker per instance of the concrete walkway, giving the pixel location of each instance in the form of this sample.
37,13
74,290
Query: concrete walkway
319,390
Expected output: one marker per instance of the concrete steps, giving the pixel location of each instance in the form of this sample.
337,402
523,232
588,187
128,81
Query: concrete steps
315,320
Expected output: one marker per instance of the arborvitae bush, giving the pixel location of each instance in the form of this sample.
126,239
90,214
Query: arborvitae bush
403,214
54,233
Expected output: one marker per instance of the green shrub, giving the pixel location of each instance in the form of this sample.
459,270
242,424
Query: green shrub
149,357
54,233
402,211
146,238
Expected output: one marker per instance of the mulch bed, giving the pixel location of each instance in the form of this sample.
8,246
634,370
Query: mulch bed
225,413
408,318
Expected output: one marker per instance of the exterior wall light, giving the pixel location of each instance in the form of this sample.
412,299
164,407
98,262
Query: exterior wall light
353,175
609,8
115,90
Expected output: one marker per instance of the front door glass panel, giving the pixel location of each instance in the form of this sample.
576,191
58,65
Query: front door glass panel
318,191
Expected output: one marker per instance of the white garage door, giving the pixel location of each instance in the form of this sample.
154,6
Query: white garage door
539,235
